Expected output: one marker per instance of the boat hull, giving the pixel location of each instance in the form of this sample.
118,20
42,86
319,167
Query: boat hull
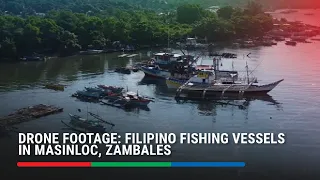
220,91
174,83
155,72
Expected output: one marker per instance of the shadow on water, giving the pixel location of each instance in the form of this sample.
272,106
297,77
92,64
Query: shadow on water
135,109
160,85
209,107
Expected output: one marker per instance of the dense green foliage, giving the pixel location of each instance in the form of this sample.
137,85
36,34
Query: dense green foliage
66,32
96,6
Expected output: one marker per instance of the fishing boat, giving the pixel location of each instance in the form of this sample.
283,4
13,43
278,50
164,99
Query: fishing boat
90,89
91,52
97,125
219,89
33,58
87,94
192,43
134,99
57,87
123,70
155,71
203,77
205,74
291,43
113,89
289,11
78,122
166,58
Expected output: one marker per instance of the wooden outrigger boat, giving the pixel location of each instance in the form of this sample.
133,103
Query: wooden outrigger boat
89,125
57,87
80,124
217,89
113,89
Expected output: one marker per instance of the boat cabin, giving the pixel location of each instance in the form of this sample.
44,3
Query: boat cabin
166,58
191,41
205,77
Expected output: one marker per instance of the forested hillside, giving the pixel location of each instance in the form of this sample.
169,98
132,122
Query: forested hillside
66,32
108,6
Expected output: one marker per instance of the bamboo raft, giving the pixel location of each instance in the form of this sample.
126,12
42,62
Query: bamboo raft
29,113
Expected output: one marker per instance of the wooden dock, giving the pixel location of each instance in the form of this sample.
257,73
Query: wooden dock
29,113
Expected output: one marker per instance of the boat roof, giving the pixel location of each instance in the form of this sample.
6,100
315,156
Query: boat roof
131,93
204,67
162,54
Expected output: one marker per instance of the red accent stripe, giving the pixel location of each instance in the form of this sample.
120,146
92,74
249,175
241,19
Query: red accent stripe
54,164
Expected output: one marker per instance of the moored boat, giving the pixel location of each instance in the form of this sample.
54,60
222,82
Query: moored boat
123,70
57,87
113,89
217,88
203,77
135,99
208,91
91,52
291,43
87,94
85,124
155,71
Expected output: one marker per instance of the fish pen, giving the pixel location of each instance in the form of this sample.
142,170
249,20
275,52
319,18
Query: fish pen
29,113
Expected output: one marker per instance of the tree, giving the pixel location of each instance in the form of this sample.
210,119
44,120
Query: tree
253,8
189,13
225,12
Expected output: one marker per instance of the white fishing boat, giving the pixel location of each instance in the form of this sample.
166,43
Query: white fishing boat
216,88
193,43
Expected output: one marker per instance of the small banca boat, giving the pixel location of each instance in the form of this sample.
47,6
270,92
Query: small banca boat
134,99
87,94
57,87
123,70
113,89
291,43
85,124
155,71
91,52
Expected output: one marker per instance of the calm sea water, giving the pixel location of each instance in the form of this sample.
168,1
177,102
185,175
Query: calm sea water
292,107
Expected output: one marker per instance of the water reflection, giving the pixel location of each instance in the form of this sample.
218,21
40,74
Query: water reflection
209,108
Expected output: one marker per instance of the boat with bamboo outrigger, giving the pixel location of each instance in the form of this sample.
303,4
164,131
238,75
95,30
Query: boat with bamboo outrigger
127,100
215,88
79,124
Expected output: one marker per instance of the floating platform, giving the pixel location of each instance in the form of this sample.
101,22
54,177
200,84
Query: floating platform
29,113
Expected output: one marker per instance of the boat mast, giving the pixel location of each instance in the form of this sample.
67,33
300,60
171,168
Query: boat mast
168,31
247,69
